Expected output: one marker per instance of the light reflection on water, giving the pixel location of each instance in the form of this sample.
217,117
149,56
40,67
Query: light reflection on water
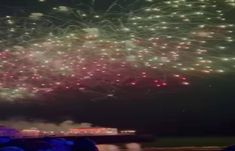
128,147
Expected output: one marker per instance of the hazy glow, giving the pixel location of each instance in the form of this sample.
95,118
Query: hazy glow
160,45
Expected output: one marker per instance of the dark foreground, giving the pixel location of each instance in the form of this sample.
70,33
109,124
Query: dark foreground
184,149
67,143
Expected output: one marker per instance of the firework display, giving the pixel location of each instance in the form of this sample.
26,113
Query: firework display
161,44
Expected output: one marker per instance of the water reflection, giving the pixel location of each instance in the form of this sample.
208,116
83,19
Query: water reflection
128,147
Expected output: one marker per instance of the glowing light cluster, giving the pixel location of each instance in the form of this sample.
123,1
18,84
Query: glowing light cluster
159,45
231,2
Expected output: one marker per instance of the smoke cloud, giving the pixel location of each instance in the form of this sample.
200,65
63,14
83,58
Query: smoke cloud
46,126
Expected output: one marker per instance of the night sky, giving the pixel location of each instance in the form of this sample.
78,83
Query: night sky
204,108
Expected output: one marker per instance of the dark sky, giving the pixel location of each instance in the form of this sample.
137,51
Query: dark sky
207,107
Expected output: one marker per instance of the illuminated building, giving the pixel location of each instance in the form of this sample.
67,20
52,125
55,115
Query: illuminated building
33,132
93,131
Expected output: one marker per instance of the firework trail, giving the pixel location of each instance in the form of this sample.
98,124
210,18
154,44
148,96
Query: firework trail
159,44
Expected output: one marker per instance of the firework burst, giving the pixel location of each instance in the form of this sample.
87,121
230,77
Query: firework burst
161,44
